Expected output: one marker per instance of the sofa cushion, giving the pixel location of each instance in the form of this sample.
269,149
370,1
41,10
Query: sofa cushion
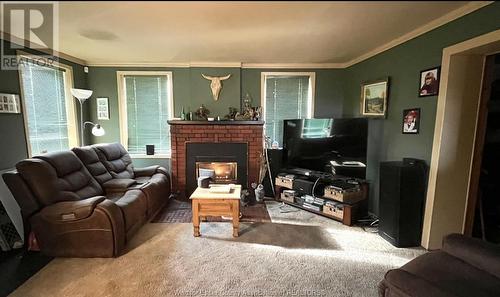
116,159
89,158
58,176
453,275
133,205
157,190
118,184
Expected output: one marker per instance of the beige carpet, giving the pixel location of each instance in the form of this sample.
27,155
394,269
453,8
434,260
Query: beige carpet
299,254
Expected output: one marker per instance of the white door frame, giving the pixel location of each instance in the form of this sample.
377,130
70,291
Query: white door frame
462,69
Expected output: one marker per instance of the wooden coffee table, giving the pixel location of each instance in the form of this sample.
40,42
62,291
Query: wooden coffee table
206,203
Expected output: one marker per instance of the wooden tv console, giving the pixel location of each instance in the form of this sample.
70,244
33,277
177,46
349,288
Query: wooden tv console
351,209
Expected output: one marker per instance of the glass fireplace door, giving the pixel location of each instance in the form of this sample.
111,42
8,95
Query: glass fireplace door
225,172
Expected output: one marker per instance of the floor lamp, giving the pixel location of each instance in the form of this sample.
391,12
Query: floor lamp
82,96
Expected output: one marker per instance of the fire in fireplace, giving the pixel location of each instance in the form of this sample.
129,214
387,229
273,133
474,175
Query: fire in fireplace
225,172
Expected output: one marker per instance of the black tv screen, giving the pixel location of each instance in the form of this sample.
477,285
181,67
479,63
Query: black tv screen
326,144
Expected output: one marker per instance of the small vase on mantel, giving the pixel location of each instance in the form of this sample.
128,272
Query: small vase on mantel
183,114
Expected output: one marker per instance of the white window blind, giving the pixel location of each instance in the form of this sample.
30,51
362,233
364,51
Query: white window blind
287,97
44,93
148,111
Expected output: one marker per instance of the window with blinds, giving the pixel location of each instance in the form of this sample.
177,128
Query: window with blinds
148,108
47,107
287,96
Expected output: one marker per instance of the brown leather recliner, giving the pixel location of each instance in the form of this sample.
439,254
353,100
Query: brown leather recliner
70,213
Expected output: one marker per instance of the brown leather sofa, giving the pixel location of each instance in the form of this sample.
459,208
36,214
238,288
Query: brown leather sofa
87,202
464,267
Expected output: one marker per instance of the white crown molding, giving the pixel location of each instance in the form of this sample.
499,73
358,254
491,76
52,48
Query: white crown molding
36,47
216,64
293,65
139,64
451,16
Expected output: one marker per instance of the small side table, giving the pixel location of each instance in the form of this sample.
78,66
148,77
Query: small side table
206,203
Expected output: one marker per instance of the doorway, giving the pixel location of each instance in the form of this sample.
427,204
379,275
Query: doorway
450,194
483,211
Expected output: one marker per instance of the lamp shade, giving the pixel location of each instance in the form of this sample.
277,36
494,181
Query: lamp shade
97,130
81,94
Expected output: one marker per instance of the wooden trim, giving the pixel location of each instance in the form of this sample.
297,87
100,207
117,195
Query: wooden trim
312,90
478,46
139,64
293,65
122,100
479,145
71,112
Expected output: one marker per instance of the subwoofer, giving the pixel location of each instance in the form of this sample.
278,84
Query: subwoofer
402,195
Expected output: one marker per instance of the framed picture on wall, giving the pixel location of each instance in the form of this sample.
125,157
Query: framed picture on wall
102,108
429,82
9,103
374,98
411,121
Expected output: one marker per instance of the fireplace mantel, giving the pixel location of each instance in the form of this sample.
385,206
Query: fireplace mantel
179,122
184,132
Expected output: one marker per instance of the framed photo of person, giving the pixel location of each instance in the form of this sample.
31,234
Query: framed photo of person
429,82
374,98
411,121
102,108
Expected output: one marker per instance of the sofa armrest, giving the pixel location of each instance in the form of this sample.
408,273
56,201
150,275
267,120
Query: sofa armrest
401,283
92,227
118,185
70,210
478,253
146,171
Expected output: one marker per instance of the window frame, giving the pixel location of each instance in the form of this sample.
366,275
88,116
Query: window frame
71,112
122,106
311,93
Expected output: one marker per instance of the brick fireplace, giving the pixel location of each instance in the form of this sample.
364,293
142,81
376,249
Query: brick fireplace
189,134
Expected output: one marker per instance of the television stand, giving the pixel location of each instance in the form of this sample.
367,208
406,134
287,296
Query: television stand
344,205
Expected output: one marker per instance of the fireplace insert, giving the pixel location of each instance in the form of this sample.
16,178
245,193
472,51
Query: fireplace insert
225,172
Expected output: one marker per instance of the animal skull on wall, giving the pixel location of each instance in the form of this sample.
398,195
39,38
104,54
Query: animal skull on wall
215,84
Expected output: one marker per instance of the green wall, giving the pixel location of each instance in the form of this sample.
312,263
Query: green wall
402,65
12,134
190,90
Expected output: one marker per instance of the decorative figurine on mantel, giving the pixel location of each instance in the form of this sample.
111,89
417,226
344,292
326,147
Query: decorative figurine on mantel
233,111
202,112
248,112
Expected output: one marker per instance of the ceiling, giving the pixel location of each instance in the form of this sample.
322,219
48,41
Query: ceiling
244,32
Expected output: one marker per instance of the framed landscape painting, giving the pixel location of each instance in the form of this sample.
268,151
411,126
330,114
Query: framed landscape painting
374,98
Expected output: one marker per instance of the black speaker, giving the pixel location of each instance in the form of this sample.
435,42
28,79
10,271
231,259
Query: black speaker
276,163
150,149
401,201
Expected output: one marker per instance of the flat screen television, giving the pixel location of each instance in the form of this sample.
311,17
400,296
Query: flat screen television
335,146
